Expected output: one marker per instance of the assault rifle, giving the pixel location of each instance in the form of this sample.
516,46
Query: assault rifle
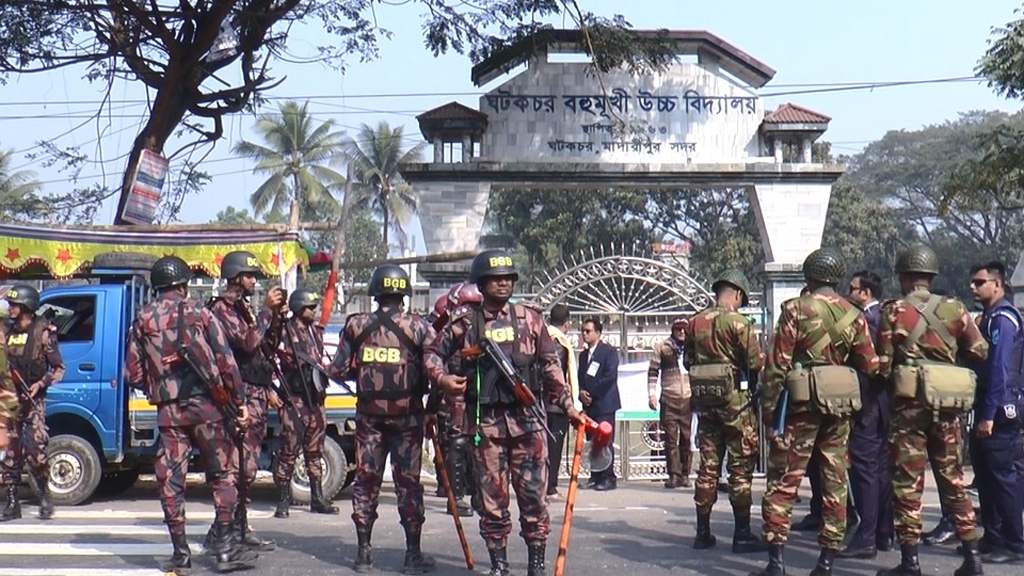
513,379
22,386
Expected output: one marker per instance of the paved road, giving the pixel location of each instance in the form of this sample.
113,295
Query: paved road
639,529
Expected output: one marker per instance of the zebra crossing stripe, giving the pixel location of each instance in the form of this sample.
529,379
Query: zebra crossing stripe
206,515
87,549
81,572
140,530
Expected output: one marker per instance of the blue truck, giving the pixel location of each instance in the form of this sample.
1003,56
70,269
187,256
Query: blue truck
103,434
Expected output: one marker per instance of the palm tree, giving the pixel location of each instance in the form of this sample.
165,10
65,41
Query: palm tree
294,155
18,189
375,156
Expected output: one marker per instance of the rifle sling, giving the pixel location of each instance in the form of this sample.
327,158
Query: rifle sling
927,319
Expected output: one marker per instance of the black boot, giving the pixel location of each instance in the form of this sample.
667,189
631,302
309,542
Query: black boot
909,563
704,539
826,559
536,560
972,561
743,542
941,534
364,557
416,562
180,562
43,493
247,536
776,564
499,561
13,509
317,503
809,523
284,499
228,553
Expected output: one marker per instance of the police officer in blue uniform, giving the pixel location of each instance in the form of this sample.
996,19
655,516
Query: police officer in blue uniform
997,455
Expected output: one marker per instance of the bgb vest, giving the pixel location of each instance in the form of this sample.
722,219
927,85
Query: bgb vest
486,382
389,374
29,343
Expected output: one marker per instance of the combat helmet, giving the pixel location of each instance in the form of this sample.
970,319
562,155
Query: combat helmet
23,295
825,265
303,298
389,279
917,259
239,262
490,263
736,279
169,271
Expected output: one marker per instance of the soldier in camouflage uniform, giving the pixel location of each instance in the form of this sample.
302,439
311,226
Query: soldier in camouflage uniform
721,335
816,331
305,427
189,413
252,340
8,396
919,435
676,415
34,359
383,353
509,439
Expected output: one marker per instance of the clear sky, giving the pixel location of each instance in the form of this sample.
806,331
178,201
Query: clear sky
808,43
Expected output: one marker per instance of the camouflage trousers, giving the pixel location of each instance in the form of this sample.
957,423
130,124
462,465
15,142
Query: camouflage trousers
313,425
255,432
720,431
215,445
805,433
915,439
675,419
29,437
524,459
377,437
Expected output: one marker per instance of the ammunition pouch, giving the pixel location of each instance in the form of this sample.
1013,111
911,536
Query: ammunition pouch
946,387
712,385
904,382
798,382
835,390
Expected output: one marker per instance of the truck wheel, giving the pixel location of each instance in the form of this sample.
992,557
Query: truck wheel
75,469
115,483
129,260
335,467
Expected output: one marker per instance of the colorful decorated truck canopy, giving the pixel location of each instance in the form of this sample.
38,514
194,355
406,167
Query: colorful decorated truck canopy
65,251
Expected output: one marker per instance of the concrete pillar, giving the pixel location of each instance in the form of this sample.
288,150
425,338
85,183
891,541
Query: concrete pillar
467,148
777,146
806,155
438,151
452,214
791,219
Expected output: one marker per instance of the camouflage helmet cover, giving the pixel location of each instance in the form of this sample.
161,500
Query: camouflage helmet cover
736,279
917,258
825,265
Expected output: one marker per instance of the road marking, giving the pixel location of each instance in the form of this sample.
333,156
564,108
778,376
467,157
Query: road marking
73,514
81,572
88,549
97,529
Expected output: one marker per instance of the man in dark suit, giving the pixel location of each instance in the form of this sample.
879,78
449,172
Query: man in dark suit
599,391
869,453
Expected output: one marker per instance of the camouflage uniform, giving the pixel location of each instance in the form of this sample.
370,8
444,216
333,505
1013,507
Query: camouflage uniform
8,397
918,435
509,439
676,414
720,335
188,417
305,427
383,352
34,354
804,323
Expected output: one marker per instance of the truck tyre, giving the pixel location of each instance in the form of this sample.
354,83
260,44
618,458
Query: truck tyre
335,466
116,483
129,260
75,469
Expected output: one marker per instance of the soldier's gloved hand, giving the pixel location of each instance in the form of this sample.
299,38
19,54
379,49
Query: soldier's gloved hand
274,299
453,384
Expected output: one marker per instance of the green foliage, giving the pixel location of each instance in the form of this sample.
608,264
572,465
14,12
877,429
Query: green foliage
1003,62
19,191
232,216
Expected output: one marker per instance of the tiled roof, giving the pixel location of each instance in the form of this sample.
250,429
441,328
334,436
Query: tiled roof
452,111
790,113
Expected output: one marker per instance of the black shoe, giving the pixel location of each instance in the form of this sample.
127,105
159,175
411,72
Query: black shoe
985,546
826,559
13,509
723,487
43,493
1002,556
416,562
317,503
941,534
909,564
606,485
672,484
364,556
229,554
858,553
743,542
776,563
704,538
972,561
885,544
180,562
808,523
499,562
535,562
461,507
246,536
284,500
